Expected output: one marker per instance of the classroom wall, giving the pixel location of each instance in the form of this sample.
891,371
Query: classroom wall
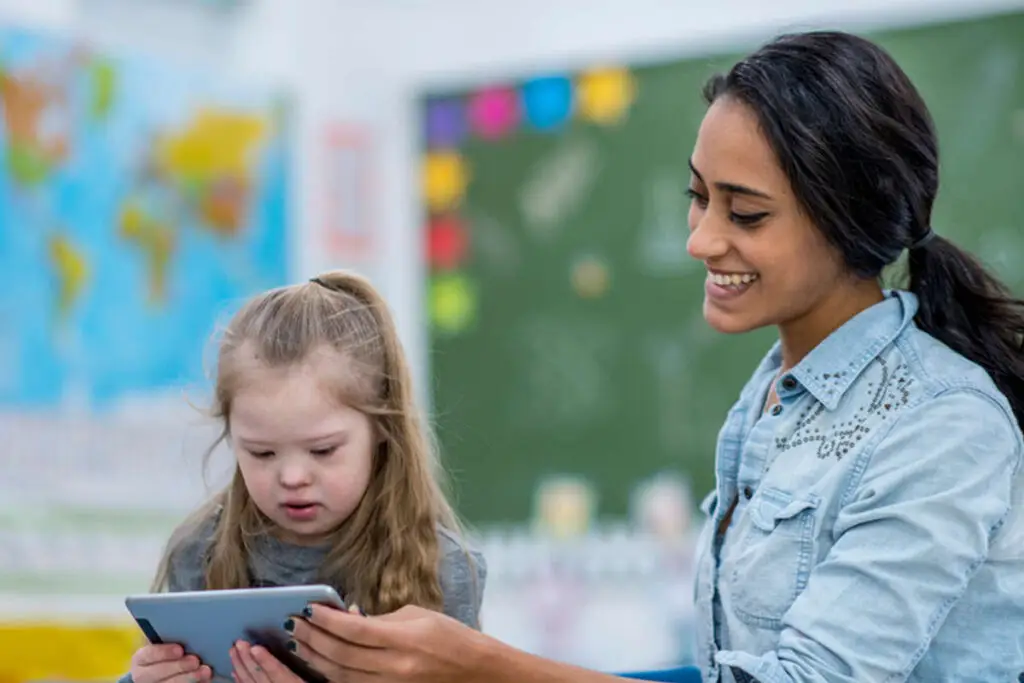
360,63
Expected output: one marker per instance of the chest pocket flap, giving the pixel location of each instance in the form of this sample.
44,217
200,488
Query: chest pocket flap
772,506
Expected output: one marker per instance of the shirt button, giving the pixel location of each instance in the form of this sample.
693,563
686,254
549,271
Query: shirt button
788,383
748,492
776,409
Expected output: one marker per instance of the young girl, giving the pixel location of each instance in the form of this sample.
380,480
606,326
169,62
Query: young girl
868,518
335,479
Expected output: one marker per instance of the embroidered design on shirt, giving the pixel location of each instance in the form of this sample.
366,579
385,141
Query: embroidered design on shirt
886,397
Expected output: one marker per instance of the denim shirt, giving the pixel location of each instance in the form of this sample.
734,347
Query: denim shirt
878,533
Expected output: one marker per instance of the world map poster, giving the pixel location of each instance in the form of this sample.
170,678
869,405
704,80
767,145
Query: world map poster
134,201
140,203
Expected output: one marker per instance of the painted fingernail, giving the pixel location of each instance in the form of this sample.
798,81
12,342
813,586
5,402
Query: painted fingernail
292,646
289,626
307,612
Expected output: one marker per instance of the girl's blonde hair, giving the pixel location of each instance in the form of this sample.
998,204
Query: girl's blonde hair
386,554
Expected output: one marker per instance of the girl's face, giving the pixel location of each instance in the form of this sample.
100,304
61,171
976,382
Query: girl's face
767,262
306,459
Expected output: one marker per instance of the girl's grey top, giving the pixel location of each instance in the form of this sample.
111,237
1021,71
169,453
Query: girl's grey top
462,570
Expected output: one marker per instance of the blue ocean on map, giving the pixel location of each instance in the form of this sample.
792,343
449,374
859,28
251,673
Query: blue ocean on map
140,204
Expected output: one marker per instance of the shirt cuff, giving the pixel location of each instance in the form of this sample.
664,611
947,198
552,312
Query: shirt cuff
764,669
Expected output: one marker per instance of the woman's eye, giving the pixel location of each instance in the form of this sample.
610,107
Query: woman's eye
697,197
748,218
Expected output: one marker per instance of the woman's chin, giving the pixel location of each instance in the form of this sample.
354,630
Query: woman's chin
729,322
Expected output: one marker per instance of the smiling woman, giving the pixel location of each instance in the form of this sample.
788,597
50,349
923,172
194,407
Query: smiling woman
864,527
767,261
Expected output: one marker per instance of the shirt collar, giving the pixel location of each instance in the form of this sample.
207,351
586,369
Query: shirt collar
829,370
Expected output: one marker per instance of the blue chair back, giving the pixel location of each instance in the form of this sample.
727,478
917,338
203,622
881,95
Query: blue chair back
686,674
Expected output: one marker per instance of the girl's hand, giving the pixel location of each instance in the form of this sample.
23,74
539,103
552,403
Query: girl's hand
254,664
168,663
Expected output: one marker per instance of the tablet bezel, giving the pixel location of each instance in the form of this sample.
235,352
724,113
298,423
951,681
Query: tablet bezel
256,615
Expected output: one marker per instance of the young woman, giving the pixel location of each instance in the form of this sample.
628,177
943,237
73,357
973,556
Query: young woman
868,518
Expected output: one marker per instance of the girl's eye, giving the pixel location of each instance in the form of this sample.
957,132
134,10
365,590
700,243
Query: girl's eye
262,454
323,452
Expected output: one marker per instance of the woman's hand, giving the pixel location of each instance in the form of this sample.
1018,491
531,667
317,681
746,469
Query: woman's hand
412,645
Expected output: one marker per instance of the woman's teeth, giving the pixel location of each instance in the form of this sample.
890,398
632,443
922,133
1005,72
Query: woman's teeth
727,279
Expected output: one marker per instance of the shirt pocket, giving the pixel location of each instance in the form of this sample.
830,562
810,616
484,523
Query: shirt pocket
772,555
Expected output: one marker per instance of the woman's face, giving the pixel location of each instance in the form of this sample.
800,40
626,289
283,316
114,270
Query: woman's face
767,263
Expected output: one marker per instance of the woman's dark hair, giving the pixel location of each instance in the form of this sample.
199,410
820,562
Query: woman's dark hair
859,147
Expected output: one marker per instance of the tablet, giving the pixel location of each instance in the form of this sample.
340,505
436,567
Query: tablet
208,623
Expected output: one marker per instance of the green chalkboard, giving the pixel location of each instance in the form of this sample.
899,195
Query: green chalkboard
566,329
